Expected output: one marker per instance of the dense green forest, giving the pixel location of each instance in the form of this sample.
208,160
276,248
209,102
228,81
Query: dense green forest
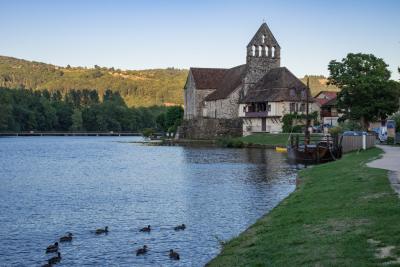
139,88
80,110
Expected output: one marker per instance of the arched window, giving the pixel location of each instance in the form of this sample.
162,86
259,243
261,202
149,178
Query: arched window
273,51
263,39
253,50
259,50
266,50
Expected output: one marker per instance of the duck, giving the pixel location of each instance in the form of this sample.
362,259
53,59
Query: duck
67,238
101,231
173,255
52,248
146,229
141,251
180,227
55,259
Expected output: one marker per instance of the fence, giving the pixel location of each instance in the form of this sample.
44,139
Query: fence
351,143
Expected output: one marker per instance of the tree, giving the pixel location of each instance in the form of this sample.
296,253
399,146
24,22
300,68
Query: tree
367,93
76,119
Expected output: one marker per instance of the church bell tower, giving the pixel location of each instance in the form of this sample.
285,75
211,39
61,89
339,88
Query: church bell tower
263,54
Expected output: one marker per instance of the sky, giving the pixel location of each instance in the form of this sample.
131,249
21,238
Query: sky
144,34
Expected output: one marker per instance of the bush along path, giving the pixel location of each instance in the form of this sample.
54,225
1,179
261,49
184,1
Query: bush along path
343,213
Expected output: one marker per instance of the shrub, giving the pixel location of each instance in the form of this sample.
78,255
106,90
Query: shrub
230,142
390,141
147,132
335,130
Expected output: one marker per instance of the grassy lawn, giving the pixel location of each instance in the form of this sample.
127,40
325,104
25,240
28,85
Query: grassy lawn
342,214
266,139
280,139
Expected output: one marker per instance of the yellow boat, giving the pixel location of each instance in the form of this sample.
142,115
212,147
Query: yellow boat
281,149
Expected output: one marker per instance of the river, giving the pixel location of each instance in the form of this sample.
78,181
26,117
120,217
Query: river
52,185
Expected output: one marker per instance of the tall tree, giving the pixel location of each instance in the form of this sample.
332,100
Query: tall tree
367,92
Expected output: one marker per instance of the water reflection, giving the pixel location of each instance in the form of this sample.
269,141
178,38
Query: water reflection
51,185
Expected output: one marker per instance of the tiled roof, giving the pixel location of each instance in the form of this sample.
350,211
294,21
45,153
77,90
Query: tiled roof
279,84
207,78
232,79
328,96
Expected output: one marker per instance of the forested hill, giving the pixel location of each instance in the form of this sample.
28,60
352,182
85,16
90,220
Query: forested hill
137,87
319,83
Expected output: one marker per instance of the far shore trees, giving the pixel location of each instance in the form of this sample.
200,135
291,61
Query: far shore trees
367,92
78,110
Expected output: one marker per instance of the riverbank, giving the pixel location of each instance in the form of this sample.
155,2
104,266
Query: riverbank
343,213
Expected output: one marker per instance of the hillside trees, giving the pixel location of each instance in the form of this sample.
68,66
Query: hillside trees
78,110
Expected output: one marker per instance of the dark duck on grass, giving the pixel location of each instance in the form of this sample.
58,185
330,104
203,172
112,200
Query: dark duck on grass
173,255
55,259
141,251
101,231
180,227
67,238
146,229
52,248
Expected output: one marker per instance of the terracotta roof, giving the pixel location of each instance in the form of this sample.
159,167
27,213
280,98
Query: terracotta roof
331,102
207,78
279,84
232,79
328,96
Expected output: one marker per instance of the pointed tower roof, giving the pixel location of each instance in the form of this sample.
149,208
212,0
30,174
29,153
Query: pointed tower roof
258,37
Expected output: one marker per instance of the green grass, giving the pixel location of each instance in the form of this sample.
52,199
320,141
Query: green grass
327,221
280,139
266,139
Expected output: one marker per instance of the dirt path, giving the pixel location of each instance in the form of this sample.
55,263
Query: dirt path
389,161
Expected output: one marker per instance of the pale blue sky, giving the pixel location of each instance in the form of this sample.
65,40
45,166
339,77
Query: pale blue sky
209,33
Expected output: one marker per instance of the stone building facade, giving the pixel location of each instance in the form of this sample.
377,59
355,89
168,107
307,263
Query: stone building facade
221,97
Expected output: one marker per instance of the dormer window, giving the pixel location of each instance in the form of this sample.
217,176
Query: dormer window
292,93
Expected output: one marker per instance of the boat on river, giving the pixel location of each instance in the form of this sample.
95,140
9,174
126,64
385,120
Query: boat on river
314,149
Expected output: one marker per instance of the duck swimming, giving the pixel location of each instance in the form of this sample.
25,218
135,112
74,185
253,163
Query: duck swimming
101,231
180,227
55,259
52,248
173,255
146,229
141,251
67,238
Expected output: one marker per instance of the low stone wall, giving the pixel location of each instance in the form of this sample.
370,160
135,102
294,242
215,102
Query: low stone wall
209,128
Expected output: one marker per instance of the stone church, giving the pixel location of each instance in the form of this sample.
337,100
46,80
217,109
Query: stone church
245,99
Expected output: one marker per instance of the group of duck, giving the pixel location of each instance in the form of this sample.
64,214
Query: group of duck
140,251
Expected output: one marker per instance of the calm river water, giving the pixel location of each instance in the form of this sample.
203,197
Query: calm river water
51,185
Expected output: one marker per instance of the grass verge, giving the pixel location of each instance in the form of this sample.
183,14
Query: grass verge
342,214
279,139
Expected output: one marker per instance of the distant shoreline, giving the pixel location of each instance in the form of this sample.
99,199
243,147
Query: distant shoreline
69,134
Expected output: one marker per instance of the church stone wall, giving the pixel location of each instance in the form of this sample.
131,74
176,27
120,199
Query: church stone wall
226,108
194,99
210,128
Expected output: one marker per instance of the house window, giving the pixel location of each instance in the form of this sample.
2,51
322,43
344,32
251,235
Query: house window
302,107
269,108
303,94
292,93
261,107
292,107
